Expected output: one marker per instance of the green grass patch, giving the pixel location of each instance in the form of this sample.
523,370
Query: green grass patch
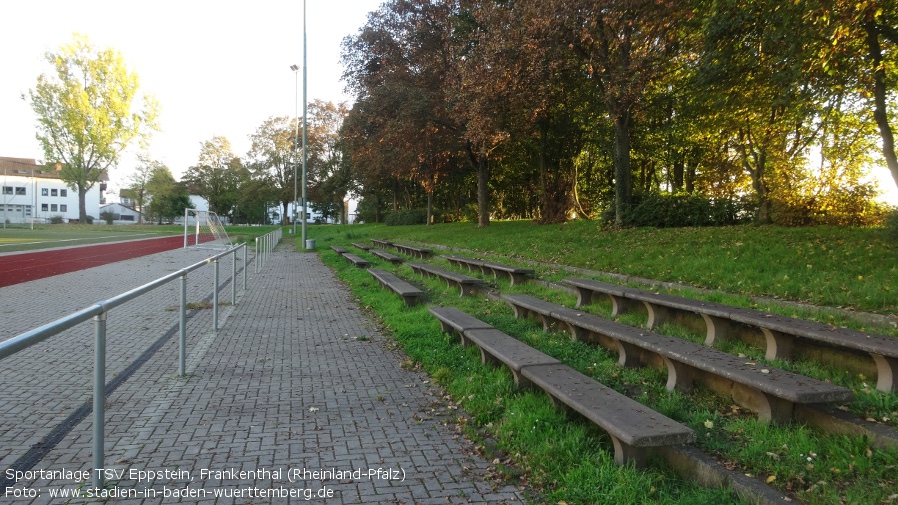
567,459
838,267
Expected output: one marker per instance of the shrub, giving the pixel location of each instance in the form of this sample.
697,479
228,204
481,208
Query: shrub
56,220
891,223
109,217
406,217
682,210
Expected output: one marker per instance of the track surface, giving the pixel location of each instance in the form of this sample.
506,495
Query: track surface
25,267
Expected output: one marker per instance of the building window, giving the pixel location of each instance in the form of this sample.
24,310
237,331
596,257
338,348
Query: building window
63,192
63,208
127,218
7,190
44,207
54,192
52,207
20,190
44,192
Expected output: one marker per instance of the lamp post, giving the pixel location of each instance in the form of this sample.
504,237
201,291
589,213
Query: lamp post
305,71
294,68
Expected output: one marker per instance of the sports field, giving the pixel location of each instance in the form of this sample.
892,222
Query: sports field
18,239
27,254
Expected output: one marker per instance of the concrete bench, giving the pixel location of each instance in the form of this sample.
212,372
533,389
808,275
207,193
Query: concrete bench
339,250
456,322
466,284
392,258
497,347
633,427
410,294
781,333
770,392
515,275
416,252
357,261
361,246
383,244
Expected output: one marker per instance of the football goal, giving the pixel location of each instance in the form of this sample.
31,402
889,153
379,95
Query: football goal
203,228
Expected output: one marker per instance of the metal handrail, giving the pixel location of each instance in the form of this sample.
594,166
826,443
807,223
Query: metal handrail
98,313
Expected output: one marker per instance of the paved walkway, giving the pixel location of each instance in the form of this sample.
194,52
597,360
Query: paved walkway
298,393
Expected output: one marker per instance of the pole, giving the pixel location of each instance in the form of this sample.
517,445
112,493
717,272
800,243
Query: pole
295,142
305,72
182,327
99,396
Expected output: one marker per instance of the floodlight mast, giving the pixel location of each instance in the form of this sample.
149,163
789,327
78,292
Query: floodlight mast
294,68
305,71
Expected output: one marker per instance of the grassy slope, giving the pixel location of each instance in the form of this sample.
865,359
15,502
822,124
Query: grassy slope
812,467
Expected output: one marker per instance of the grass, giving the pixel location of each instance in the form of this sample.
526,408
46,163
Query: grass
567,460
854,268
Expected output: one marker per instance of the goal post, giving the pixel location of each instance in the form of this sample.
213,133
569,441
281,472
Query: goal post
203,229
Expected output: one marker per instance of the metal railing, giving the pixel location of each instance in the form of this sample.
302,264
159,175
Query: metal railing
98,313
264,245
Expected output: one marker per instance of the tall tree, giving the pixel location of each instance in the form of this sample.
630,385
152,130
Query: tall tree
139,191
88,113
273,156
168,197
217,175
861,48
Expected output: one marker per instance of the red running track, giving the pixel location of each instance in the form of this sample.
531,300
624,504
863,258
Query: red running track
17,268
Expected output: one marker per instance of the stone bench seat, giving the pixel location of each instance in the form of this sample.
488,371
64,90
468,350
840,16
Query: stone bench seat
357,261
384,255
410,294
416,252
456,322
361,246
383,244
466,284
515,275
339,250
780,332
770,392
632,427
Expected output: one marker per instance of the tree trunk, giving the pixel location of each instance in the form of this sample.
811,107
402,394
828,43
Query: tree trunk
623,186
82,204
284,216
483,192
879,97
429,207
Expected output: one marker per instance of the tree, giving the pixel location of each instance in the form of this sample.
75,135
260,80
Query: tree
89,113
217,175
169,198
140,180
273,157
861,46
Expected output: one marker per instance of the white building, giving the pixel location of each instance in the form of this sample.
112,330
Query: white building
121,214
29,192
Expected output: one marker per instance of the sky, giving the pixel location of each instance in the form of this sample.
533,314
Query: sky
217,68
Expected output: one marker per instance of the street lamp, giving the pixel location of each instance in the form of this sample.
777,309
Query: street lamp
294,68
305,71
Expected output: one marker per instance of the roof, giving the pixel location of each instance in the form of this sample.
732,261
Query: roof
28,167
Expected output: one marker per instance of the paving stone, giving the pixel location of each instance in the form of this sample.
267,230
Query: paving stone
284,384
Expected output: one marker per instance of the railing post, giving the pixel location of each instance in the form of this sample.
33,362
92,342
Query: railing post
245,249
257,254
234,277
99,396
182,358
215,299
